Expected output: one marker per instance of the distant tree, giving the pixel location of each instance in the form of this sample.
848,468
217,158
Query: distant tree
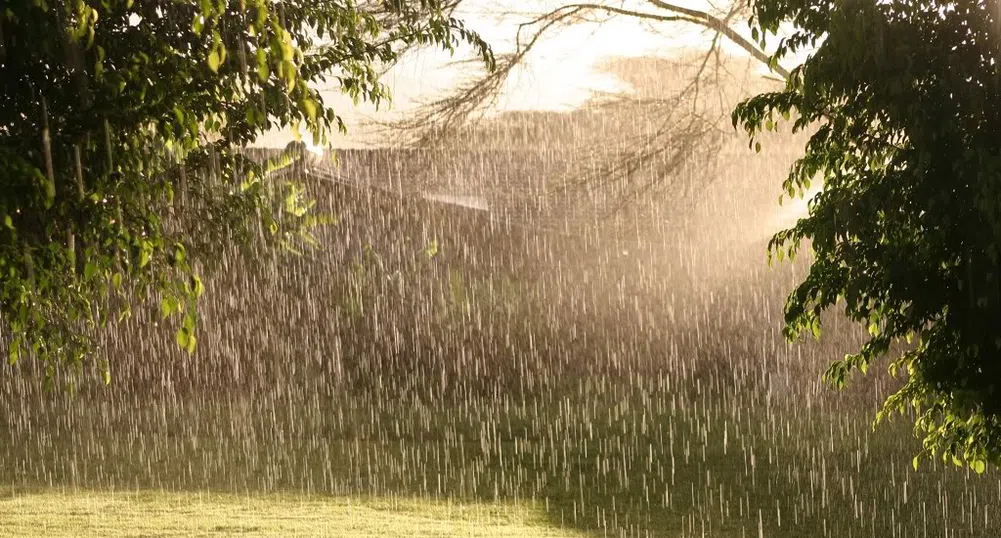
906,232
121,125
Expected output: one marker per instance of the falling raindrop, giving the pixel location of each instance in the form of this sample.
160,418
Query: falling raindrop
480,326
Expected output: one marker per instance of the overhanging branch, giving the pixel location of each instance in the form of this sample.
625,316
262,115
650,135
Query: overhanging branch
443,117
719,25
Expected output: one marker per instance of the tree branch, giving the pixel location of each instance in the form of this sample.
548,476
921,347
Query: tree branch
630,167
441,118
719,25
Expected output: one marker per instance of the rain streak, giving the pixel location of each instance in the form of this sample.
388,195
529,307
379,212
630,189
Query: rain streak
484,324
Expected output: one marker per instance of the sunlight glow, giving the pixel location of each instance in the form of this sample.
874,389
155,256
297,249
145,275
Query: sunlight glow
794,209
314,149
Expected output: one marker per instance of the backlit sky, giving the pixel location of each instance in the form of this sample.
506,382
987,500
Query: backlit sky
561,71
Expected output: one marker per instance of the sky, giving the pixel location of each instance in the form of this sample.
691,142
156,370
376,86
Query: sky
560,75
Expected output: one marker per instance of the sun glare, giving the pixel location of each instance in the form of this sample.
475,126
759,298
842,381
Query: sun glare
314,149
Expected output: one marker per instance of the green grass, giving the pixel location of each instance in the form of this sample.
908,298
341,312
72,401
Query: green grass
53,513
616,466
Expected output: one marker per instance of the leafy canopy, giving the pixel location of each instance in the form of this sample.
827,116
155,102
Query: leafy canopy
121,124
906,232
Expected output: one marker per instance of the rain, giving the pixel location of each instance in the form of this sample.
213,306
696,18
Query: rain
480,327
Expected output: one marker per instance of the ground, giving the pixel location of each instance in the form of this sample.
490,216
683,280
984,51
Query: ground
113,514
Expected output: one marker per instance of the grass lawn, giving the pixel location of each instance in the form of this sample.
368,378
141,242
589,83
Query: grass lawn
595,465
153,513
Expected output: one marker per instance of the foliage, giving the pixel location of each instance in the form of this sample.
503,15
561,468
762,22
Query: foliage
121,125
906,232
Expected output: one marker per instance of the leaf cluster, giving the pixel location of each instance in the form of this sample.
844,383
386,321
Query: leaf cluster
906,231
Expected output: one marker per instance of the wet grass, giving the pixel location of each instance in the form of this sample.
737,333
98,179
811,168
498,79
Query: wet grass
645,462
115,514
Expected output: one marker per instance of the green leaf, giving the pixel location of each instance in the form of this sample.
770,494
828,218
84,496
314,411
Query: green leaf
310,107
978,466
195,286
214,60
145,253
262,65
183,337
291,74
186,335
179,254
168,305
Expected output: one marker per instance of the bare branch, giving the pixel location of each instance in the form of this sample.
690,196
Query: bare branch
605,177
628,13
689,134
723,27
443,118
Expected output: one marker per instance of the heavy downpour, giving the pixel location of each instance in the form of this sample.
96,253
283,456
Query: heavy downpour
499,268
